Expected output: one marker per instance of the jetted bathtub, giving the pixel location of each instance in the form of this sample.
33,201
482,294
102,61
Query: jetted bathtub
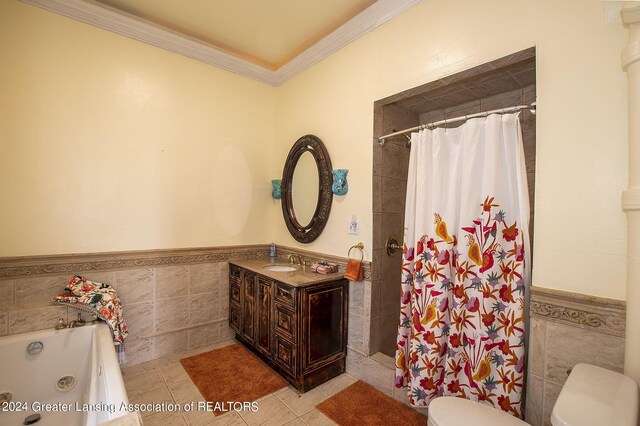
68,377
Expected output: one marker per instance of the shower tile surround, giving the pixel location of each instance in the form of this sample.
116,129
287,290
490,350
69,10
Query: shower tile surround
501,83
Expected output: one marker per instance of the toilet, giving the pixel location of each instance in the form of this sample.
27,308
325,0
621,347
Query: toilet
591,396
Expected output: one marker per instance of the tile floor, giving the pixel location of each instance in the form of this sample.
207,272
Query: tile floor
164,380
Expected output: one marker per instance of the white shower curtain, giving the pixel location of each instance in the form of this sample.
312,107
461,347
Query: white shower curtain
465,265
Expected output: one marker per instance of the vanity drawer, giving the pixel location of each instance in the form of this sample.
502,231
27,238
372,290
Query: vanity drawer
234,292
235,319
285,295
285,322
234,272
285,354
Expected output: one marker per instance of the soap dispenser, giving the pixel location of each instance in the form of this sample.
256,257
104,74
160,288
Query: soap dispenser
272,250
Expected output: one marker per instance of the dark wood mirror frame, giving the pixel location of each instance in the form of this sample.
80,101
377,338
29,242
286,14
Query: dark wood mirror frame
313,145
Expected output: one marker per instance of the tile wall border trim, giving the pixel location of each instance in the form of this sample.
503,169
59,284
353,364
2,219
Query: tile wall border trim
36,266
594,313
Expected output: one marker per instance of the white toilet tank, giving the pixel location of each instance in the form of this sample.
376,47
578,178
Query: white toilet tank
593,396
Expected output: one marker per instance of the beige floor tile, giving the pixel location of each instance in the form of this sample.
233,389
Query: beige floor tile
199,418
165,361
271,412
185,391
229,419
165,418
129,419
147,380
337,384
137,369
300,403
423,411
316,418
295,422
157,396
174,373
175,358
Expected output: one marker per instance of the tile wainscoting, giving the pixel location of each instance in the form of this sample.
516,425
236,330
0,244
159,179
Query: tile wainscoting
176,300
173,300
567,329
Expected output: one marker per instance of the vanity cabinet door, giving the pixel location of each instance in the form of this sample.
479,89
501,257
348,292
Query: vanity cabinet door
263,339
249,306
324,324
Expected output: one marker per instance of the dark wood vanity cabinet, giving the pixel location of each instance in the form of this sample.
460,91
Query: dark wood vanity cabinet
300,331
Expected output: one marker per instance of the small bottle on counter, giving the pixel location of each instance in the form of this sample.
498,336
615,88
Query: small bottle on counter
272,250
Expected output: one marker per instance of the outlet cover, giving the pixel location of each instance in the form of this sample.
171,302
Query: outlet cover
354,226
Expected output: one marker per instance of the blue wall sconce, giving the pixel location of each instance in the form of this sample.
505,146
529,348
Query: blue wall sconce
275,191
340,185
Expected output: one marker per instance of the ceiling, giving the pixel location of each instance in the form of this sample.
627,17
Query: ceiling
269,41
267,33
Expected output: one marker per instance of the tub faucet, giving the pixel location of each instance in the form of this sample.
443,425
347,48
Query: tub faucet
77,323
60,325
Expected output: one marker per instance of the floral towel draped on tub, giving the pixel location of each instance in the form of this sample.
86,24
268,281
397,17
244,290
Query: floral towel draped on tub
101,300
465,265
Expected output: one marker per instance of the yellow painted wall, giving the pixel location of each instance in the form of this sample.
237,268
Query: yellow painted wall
110,144
580,241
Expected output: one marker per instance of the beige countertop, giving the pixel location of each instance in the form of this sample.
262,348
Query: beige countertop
301,277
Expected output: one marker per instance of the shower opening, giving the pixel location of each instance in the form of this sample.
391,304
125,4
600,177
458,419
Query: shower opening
502,83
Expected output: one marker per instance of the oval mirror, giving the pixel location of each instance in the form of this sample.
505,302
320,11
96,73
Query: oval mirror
306,189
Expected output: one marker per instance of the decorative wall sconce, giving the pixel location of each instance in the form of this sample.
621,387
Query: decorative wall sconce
275,191
340,184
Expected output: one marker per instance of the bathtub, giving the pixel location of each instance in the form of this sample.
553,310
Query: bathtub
74,380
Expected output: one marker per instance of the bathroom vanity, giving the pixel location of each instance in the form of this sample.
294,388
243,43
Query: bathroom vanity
296,321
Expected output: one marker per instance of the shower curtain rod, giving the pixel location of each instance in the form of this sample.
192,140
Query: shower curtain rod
532,107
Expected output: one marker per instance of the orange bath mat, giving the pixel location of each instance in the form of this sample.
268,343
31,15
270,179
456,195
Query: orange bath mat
361,404
233,374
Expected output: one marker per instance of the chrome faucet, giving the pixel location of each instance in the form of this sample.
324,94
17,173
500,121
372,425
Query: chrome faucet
77,323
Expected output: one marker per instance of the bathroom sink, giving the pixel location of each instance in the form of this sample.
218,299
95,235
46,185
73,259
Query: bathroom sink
280,268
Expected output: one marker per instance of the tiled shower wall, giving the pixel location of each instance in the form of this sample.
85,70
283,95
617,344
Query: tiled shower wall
390,167
179,304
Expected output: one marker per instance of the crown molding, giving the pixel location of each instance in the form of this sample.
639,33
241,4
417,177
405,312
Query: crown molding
367,20
108,18
103,16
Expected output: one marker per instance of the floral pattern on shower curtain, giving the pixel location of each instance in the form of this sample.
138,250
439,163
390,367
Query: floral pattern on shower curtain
465,265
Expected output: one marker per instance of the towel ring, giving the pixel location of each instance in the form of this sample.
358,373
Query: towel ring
359,246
